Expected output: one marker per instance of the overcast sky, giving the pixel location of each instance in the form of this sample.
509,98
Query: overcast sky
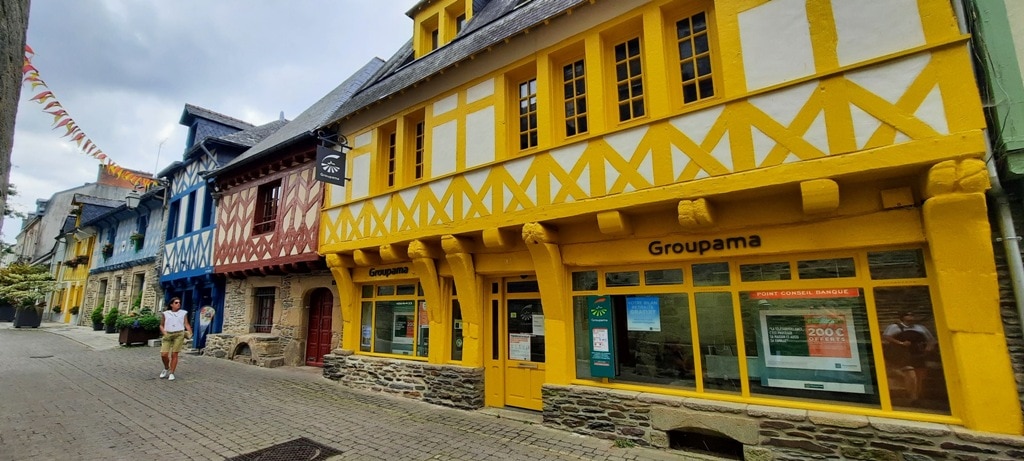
124,70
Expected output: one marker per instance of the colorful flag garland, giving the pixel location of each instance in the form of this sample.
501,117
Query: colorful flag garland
61,119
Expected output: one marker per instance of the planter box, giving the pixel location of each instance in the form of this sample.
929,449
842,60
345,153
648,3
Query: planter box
131,336
111,328
97,326
30,317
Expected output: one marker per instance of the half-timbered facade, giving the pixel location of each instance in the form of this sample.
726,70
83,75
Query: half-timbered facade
126,257
74,254
280,302
187,268
717,215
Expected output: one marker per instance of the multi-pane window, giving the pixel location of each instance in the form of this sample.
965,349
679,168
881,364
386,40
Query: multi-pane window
392,159
695,58
267,198
418,133
528,114
394,320
172,219
264,307
574,88
629,80
460,22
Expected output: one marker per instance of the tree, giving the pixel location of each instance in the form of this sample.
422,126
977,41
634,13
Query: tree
13,24
24,285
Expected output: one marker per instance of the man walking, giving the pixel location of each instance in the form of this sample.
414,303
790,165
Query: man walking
174,327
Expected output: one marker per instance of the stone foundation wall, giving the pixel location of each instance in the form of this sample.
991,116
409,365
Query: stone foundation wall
767,433
152,292
265,350
1008,307
448,385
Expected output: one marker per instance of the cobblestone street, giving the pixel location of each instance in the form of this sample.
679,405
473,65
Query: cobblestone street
71,393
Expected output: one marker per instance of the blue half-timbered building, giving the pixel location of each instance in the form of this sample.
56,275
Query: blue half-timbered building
213,140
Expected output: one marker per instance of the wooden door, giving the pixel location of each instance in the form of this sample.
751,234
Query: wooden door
318,338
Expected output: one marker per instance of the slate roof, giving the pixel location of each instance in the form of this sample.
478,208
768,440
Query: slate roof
310,119
495,22
253,136
192,111
92,207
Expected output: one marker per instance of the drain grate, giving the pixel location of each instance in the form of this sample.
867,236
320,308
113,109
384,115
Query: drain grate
292,450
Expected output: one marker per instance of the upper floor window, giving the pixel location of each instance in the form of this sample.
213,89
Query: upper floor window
419,131
629,83
190,214
694,58
528,114
208,210
172,219
434,39
574,88
267,197
460,23
392,158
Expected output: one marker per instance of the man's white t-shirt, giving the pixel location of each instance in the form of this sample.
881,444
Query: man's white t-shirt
174,321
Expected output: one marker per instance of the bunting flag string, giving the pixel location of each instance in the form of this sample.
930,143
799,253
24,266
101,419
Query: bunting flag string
61,119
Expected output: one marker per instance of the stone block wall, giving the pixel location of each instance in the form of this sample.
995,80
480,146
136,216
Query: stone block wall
291,314
265,350
447,385
767,433
1008,308
152,292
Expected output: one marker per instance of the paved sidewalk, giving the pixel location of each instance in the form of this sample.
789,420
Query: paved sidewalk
70,393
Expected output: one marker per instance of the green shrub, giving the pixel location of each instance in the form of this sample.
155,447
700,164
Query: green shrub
111,318
144,319
56,309
97,314
74,310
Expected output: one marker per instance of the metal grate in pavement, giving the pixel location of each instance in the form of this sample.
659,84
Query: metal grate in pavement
292,450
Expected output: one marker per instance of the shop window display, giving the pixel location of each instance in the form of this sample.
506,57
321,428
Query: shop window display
394,321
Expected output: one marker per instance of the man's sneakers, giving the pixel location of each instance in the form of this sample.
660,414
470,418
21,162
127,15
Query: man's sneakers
170,377
163,374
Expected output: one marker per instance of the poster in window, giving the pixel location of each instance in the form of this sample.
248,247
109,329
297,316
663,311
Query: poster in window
424,319
602,336
365,337
538,324
643,313
519,346
810,339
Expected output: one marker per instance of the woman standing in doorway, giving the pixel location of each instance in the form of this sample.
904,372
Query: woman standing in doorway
174,327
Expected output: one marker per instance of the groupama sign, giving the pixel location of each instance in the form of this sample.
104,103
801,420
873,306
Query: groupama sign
660,248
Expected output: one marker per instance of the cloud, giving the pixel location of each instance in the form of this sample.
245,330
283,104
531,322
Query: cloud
124,69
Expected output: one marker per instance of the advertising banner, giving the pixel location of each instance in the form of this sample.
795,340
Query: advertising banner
602,337
810,339
643,313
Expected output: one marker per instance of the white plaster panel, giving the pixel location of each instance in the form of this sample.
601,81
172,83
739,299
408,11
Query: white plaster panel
783,105
817,135
868,29
646,167
626,142
723,153
480,137
476,179
442,149
610,175
891,80
480,90
763,145
679,162
696,125
362,139
446,104
776,42
336,192
567,157
933,112
864,125
409,200
360,174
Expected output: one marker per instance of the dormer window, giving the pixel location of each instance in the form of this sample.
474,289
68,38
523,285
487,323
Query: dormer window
438,22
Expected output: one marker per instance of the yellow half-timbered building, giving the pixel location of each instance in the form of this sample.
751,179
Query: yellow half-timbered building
700,214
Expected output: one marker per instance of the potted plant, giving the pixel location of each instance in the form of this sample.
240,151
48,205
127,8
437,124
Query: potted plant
111,320
138,327
55,313
74,315
137,239
108,250
97,317
29,315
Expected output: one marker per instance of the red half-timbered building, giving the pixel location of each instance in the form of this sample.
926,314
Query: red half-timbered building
280,301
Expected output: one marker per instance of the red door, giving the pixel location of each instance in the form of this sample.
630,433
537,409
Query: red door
318,338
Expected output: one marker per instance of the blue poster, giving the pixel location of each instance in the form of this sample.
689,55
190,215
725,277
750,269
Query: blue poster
643,313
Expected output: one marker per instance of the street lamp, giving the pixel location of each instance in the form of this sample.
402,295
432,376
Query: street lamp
132,200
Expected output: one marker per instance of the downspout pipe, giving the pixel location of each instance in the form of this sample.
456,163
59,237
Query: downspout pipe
1007,231
1008,234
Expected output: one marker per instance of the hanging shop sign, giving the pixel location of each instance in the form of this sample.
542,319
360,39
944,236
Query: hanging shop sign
602,342
330,166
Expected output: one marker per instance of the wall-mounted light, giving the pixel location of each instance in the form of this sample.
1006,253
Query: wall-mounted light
132,200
